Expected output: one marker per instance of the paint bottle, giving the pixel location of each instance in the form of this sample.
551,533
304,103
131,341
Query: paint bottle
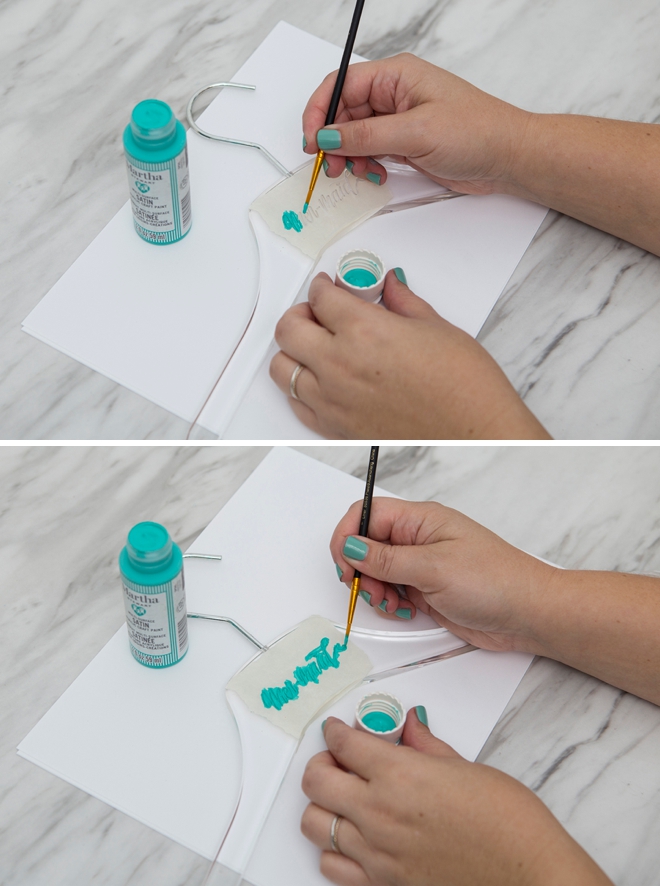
382,715
151,569
158,179
362,273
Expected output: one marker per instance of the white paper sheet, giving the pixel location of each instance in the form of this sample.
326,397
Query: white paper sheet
166,321
162,745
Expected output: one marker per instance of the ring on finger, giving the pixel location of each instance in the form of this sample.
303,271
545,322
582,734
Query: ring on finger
334,834
294,381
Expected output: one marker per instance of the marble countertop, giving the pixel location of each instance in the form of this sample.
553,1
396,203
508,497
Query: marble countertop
576,328
590,751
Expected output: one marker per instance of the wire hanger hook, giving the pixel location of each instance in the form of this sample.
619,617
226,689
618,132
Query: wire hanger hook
223,138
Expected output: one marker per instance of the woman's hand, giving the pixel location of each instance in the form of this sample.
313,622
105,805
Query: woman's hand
602,172
421,815
493,595
407,108
399,374
464,576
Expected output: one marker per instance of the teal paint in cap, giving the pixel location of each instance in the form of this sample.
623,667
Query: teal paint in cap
158,177
151,567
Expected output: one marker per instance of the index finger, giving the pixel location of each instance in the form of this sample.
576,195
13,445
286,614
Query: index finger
300,336
355,102
330,787
331,305
392,519
363,754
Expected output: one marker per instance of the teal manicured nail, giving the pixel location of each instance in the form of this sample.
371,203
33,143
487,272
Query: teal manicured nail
328,139
383,606
325,166
422,716
400,275
339,572
366,597
304,142
355,549
325,721
404,613
350,165
373,177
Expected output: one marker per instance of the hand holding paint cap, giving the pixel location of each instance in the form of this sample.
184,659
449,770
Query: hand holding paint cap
362,273
382,715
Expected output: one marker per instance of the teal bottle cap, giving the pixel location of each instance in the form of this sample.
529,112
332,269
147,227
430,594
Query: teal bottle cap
149,547
153,124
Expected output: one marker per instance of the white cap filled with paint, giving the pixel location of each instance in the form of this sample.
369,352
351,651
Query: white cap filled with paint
362,273
382,715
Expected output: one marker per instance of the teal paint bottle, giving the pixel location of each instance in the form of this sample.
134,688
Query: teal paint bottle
151,567
158,177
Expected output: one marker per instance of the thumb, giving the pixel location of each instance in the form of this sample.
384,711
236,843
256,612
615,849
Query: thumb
395,564
399,299
417,735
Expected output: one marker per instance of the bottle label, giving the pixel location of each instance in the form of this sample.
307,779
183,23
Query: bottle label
156,619
160,198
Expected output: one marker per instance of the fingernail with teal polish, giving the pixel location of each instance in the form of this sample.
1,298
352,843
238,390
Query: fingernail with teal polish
366,597
355,549
328,139
383,606
325,166
400,275
350,165
404,613
325,721
304,142
422,716
373,177
339,572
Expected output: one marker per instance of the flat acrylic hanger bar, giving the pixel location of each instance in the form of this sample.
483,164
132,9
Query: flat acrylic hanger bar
391,672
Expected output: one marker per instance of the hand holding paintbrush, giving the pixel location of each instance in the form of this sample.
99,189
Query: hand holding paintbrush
364,528
336,95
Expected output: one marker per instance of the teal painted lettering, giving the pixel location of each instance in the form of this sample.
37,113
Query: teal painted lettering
321,660
291,221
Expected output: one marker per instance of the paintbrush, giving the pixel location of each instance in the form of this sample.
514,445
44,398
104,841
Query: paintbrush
364,528
336,95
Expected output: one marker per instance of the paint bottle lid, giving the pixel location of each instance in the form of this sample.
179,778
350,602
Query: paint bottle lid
149,547
153,124
362,273
382,715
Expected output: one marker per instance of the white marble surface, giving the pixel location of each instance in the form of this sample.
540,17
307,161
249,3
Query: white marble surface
577,327
589,750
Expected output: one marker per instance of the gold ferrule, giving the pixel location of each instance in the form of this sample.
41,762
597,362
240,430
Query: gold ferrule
355,590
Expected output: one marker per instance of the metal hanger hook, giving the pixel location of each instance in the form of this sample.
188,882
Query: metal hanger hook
222,138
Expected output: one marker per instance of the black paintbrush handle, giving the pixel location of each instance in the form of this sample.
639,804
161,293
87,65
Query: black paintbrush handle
368,496
343,67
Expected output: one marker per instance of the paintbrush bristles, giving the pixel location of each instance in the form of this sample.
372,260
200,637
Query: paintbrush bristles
315,175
